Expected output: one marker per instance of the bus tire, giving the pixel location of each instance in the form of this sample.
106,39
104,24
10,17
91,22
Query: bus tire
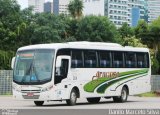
123,97
93,100
73,98
38,103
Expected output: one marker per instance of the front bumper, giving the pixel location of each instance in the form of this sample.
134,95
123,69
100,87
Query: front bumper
33,96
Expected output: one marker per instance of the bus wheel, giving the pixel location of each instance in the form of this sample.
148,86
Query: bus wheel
93,100
123,97
38,103
73,98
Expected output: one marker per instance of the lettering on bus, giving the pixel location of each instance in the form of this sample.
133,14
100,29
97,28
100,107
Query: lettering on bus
105,74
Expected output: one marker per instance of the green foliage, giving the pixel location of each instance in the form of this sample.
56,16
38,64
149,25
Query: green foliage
5,59
9,20
148,94
133,41
93,28
141,30
75,8
126,31
149,34
155,66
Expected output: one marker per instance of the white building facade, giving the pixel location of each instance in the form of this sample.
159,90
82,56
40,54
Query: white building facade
93,7
38,5
63,6
118,11
153,9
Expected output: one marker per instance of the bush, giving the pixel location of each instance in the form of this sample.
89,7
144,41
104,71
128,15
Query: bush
5,59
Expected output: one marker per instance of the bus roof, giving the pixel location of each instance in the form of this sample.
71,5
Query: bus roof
85,45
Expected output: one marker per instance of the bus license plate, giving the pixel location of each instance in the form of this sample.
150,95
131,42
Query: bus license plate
30,94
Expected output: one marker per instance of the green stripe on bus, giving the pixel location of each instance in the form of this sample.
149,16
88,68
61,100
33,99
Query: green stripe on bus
103,88
92,85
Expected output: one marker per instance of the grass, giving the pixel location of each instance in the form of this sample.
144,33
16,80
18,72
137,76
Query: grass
7,94
149,94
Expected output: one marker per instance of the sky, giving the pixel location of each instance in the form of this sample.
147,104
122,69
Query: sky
24,3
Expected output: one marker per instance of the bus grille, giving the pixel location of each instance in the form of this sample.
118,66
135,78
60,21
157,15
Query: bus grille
31,97
33,91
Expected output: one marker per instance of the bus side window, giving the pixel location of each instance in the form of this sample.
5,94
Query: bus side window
142,60
146,58
118,59
104,59
90,59
77,60
130,60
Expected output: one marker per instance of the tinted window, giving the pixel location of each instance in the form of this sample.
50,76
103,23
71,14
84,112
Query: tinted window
142,60
130,60
104,59
90,59
63,52
77,60
118,59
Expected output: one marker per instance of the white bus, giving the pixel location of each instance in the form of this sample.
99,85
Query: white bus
91,70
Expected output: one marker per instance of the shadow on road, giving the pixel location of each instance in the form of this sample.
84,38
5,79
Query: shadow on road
84,103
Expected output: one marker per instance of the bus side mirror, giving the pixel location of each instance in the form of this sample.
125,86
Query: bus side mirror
12,63
60,59
58,62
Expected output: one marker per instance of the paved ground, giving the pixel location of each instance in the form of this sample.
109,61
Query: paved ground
133,103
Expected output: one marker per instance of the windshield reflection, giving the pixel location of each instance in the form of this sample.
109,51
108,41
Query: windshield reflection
33,67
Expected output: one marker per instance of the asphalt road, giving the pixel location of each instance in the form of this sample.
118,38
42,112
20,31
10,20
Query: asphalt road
133,103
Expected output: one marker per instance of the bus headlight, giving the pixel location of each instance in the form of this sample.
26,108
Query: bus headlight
47,88
15,88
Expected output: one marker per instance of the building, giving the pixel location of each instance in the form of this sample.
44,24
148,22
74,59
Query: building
93,7
60,6
136,11
56,7
38,5
153,9
48,7
63,6
118,11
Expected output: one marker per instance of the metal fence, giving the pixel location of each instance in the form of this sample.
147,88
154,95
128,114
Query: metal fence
6,82
155,83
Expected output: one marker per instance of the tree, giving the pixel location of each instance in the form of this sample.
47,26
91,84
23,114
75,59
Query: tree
154,35
142,29
125,31
75,8
10,19
93,28
133,41
149,34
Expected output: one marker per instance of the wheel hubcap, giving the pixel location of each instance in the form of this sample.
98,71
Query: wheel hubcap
124,95
73,97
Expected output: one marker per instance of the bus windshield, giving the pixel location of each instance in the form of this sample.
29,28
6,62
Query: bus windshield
33,66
